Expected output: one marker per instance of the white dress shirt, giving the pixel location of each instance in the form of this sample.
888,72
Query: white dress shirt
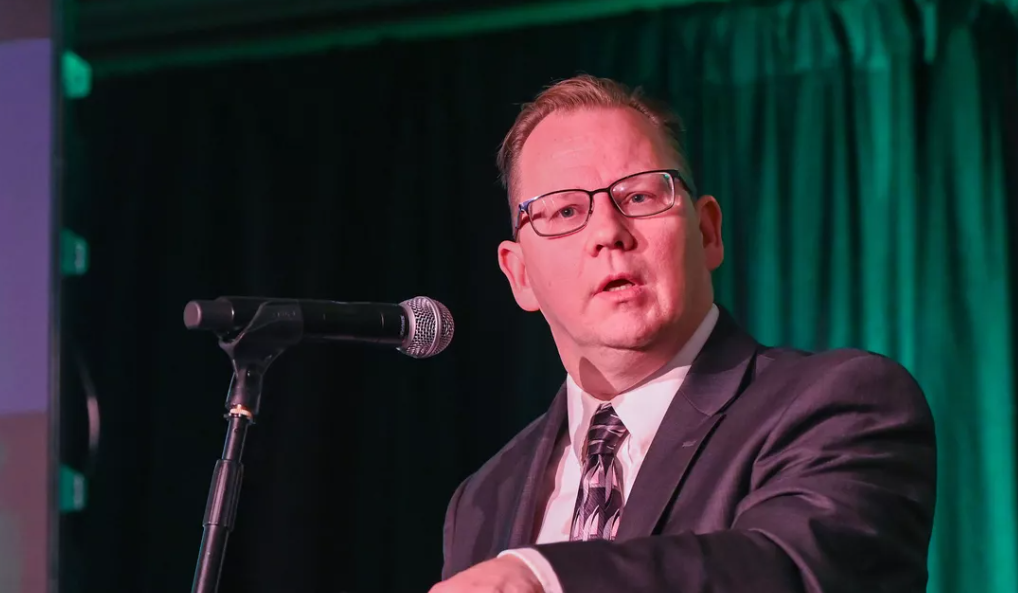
641,410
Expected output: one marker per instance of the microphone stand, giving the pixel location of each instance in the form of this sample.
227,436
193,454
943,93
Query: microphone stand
274,327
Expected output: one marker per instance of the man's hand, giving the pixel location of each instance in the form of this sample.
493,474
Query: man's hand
507,574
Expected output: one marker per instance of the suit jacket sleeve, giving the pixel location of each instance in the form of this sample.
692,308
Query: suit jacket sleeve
841,500
449,529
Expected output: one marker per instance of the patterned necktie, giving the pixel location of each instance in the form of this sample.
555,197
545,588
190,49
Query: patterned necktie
599,500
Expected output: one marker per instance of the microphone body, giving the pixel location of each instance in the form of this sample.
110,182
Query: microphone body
419,327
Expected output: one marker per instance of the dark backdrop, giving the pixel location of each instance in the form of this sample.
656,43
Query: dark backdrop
860,152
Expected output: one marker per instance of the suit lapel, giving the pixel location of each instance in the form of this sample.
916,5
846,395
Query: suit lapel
714,379
521,529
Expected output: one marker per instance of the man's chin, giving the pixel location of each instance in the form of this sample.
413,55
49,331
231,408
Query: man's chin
620,330
635,338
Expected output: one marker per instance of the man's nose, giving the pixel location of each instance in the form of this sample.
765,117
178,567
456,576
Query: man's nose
607,226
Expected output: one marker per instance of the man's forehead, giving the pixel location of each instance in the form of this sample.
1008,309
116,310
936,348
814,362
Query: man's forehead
588,149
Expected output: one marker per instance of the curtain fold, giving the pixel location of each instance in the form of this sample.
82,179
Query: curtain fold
966,343
864,154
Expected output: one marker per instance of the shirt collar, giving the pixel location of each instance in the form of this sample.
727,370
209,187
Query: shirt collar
642,408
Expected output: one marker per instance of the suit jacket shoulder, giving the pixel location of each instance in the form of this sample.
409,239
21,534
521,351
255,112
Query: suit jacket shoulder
838,373
471,514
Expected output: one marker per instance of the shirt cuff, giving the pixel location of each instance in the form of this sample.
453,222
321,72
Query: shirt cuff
539,565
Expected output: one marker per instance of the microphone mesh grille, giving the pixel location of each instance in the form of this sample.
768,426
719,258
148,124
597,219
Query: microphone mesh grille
431,327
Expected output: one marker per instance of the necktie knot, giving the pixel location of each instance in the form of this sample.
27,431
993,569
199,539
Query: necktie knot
606,432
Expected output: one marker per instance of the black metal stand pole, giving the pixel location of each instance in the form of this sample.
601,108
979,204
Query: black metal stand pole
274,327
221,508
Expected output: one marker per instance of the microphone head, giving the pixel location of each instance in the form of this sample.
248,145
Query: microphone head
431,327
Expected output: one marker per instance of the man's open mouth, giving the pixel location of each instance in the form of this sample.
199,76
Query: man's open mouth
618,282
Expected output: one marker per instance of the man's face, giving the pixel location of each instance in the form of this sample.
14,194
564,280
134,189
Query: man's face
618,283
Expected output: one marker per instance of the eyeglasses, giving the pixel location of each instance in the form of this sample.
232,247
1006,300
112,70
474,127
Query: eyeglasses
635,196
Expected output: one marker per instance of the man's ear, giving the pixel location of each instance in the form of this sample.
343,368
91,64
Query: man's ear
709,214
514,266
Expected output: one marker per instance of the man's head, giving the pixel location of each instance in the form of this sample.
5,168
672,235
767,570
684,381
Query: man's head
635,277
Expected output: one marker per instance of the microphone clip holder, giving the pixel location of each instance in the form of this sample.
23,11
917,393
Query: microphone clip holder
274,327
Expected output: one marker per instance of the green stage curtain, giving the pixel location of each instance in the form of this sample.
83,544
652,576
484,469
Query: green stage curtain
868,206
864,153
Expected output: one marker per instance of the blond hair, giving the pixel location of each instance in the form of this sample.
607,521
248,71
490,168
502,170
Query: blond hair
583,91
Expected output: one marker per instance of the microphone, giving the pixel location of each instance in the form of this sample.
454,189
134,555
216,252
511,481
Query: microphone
419,327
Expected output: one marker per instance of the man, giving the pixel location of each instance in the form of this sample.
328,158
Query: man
680,454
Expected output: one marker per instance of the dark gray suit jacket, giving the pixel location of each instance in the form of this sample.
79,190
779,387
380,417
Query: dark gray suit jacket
773,471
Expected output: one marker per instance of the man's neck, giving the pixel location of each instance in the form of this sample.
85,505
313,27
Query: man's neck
607,372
